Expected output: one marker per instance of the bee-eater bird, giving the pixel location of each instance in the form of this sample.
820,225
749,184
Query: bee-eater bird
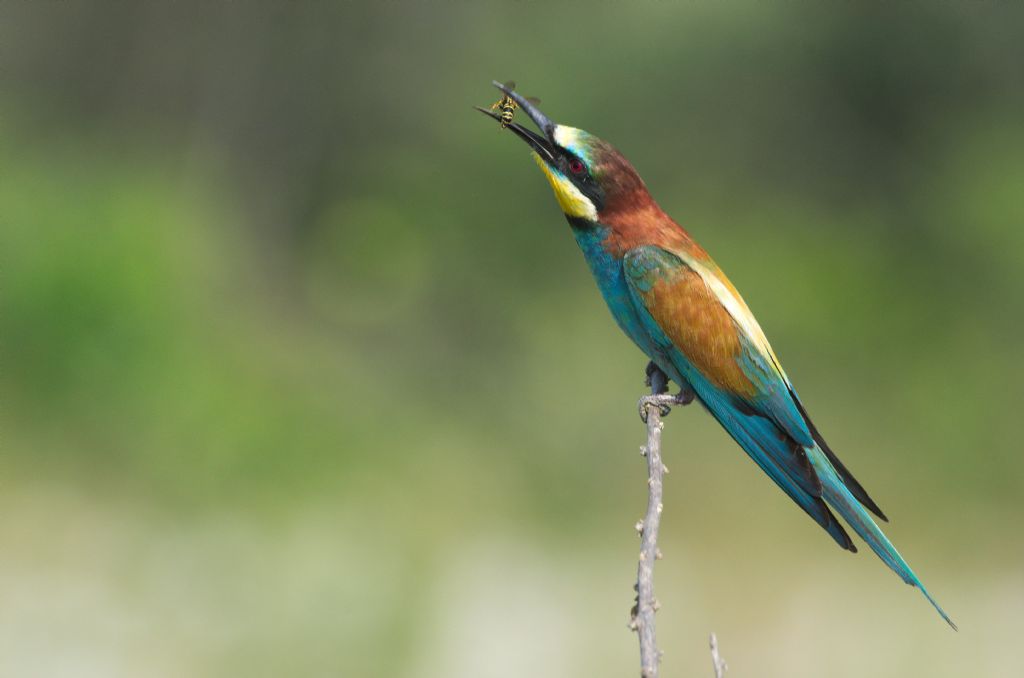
673,302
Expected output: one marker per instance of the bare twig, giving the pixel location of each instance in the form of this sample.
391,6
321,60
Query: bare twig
652,409
716,659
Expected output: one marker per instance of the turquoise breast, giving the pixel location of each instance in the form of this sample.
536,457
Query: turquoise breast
611,280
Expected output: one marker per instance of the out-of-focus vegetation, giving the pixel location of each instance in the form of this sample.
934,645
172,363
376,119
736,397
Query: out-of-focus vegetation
301,372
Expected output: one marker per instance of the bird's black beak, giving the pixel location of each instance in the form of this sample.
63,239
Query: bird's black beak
544,146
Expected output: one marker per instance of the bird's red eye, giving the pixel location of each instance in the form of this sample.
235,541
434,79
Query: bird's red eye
575,166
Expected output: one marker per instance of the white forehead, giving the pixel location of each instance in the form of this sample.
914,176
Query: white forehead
570,139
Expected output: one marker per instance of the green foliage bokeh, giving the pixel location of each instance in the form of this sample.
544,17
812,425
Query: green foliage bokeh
303,374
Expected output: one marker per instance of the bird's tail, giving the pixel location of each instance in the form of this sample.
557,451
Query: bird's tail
853,512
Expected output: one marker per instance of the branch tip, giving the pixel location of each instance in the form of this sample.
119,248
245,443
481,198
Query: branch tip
716,659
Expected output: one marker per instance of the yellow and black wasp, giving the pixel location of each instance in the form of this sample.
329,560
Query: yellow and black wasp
508,105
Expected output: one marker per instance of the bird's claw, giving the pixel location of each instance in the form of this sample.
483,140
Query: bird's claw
664,402
648,401
660,397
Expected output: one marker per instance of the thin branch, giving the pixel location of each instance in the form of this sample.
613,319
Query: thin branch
716,659
652,409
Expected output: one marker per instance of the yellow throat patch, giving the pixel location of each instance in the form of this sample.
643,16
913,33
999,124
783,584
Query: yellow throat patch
572,202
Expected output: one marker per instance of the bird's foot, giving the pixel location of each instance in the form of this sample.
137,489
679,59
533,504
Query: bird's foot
660,397
656,379
664,402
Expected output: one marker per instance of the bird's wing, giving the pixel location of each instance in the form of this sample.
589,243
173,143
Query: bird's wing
737,382
776,397
695,316
704,317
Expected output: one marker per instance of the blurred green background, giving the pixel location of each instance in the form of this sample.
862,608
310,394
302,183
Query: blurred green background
302,373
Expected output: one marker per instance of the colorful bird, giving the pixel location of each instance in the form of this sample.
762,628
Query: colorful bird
673,301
